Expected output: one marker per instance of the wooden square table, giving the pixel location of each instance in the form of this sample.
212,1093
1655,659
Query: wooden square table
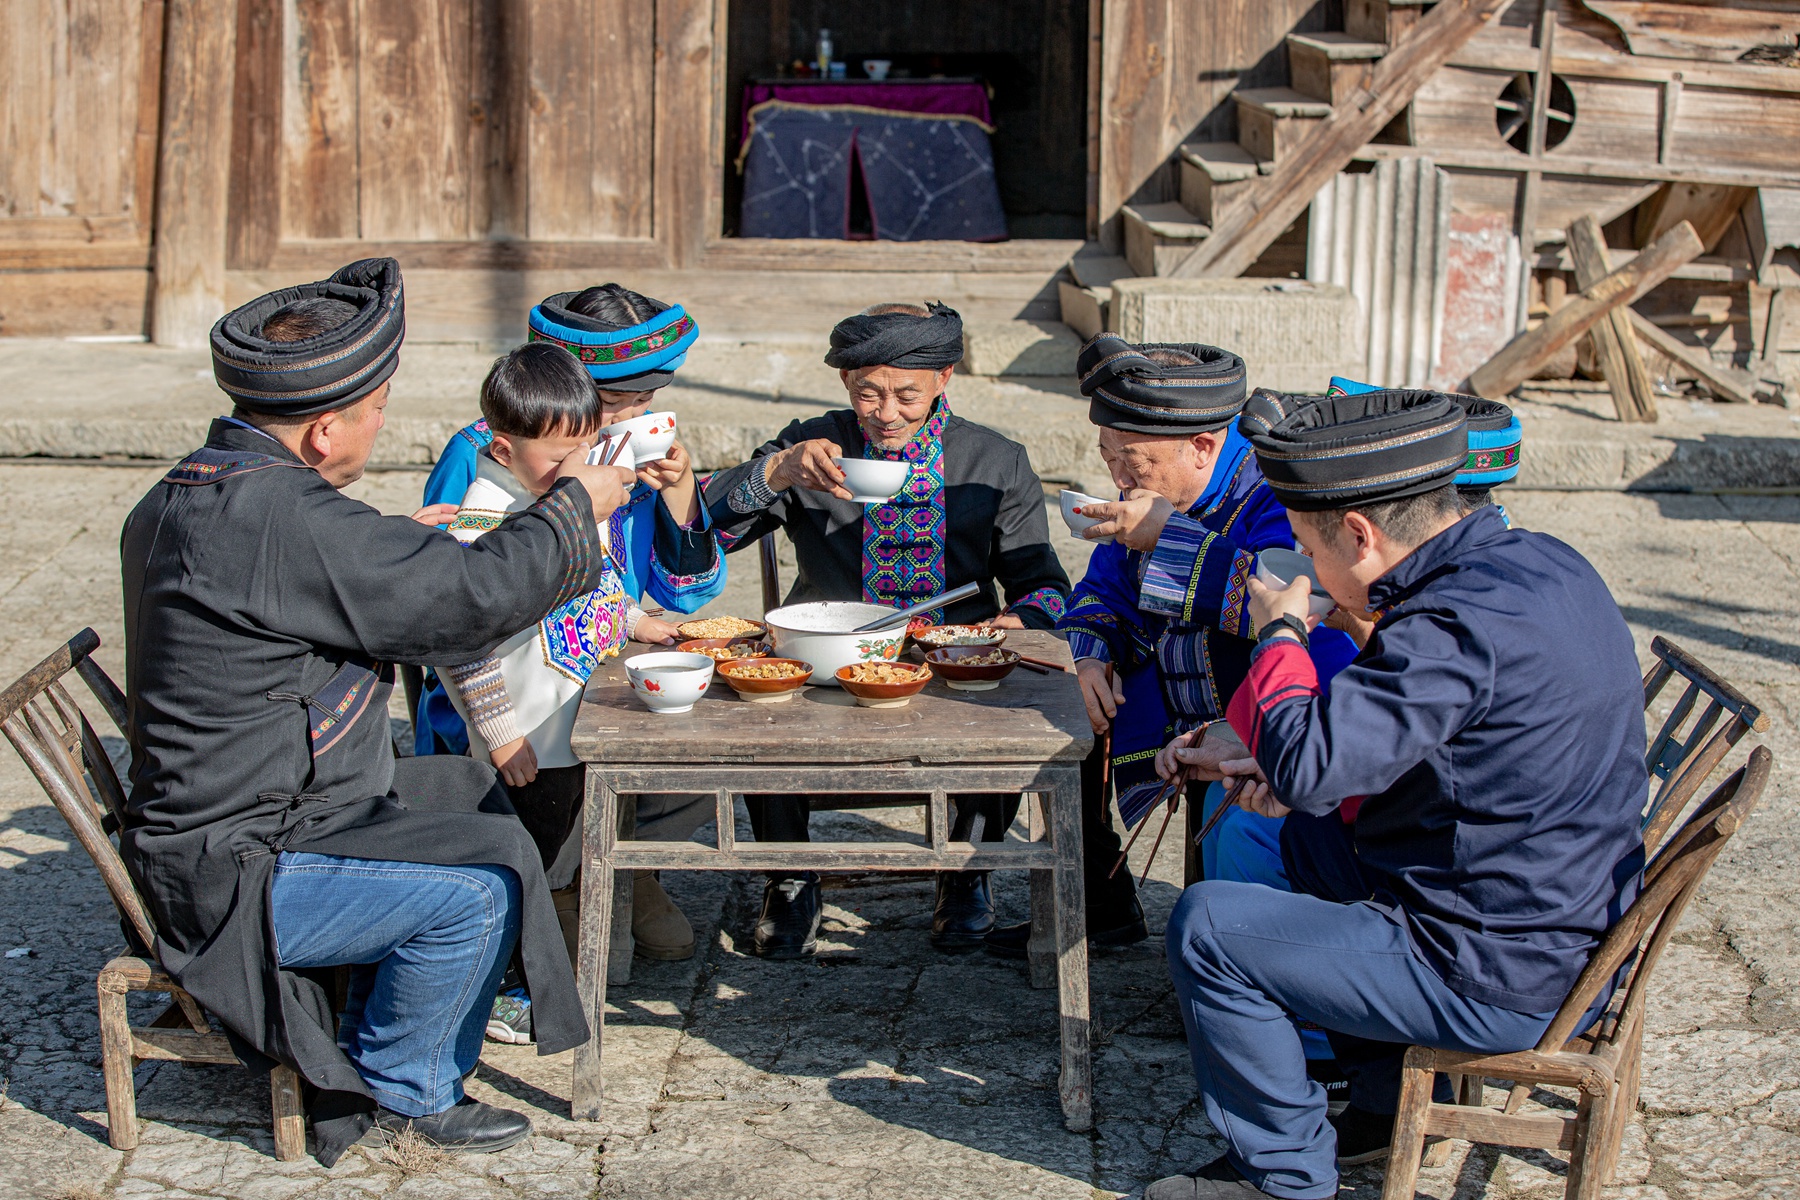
1028,736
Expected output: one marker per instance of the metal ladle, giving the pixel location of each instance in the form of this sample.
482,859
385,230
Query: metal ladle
907,614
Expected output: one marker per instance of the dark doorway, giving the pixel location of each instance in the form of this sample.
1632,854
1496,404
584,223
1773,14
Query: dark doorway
1031,56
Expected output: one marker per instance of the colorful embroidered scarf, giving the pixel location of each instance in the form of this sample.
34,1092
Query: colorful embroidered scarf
904,539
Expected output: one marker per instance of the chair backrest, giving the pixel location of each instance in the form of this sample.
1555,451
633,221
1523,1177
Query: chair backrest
1685,752
1670,881
53,736
771,571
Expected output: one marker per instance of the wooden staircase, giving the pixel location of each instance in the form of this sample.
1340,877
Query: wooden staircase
1326,72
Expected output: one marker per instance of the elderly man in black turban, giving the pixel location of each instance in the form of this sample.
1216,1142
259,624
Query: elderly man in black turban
971,511
269,826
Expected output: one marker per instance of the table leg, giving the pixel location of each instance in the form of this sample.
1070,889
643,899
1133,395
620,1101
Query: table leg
599,819
1077,1082
618,963
1040,950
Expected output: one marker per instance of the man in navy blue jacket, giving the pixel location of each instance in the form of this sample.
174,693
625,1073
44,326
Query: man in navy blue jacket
1493,729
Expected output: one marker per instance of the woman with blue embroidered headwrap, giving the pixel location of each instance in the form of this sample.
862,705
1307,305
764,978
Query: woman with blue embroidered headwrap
662,544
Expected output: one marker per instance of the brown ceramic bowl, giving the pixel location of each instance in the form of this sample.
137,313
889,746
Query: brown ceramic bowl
727,649
764,691
937,637
884,695
972,677
756,630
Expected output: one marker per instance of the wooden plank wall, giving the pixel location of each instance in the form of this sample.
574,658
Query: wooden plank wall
1169,69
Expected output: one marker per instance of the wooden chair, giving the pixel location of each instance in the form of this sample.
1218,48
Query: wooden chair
1601,1062
1682,761
50,732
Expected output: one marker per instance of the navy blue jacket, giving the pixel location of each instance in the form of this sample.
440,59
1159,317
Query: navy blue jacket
1495,725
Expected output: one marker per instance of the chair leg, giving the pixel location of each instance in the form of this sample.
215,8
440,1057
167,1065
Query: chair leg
288,1119
116,1064
1587,1171
1409,1125
1624,1105
1515,1098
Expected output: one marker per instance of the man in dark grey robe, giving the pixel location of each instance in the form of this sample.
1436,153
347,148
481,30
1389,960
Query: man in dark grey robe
270,828
971,511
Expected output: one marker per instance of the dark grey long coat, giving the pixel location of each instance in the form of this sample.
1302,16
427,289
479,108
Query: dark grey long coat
262,608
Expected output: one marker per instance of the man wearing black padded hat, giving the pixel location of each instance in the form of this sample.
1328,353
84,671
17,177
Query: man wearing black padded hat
972,510
1493,729
1157,625
269,826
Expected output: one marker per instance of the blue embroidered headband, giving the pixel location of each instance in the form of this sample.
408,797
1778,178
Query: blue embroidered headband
1495,436
638,358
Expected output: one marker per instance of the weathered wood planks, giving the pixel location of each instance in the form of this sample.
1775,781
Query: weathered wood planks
1615,344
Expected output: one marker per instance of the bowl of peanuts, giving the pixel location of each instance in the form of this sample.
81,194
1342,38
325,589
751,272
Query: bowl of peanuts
765,680
972,668
883,684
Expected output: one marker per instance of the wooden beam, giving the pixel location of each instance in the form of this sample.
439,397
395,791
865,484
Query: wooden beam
1525,354
193,171
1614,343
1723,383
1276,200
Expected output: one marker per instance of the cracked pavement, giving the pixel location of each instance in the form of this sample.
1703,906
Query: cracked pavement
880,1069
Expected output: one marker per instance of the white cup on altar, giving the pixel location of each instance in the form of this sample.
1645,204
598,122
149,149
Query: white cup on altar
877,68
874,480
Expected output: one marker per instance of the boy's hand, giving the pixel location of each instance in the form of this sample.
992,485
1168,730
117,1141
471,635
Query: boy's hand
1255,795
1201,753
1101,694
435,514
654,630
1137,520
607,487
671,469
807,465
1359,626
516,762
1293,600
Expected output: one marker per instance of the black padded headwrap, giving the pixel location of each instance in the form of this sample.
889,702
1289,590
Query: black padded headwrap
1126,390
1340,451
898,340
315,374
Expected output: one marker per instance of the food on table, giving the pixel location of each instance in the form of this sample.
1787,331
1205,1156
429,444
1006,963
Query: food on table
960,635
917,626
987,658
878,672
718,627
735,651
766,670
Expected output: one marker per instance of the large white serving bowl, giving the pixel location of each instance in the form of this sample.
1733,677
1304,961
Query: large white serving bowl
651,436
1278,568
874,480
669,681
819,633
1072,500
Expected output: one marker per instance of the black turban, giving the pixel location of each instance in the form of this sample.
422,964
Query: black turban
315,374
1128,391
898,339
1341,451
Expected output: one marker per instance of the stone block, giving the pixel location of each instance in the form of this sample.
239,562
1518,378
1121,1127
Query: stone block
1019,348
1294,335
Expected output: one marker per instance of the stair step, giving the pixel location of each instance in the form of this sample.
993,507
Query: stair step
1281,102
1385,21
1331,66
1099,270
1214,176
1158,237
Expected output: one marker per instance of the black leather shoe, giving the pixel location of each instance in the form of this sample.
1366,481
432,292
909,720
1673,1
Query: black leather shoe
789,925
1217,1180
964,914
468,1125
1109,929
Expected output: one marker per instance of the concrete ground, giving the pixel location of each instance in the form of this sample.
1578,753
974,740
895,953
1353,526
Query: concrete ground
879,1069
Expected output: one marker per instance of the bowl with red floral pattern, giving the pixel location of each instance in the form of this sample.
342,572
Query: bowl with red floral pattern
669,681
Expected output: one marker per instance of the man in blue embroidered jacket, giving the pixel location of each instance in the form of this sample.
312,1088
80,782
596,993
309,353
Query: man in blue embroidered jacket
1493,725
1157,626
971,511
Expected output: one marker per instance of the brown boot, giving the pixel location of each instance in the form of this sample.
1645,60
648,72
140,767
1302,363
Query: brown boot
658,927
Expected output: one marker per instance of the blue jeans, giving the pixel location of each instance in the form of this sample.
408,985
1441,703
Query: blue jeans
1243,957
426,946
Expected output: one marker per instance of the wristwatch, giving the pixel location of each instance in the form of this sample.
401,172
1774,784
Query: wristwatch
1284,621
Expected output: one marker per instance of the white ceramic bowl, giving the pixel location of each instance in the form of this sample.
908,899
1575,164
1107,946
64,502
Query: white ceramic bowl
819,633
877,68
1072,500
669,682
873,480
1278,568
651,436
